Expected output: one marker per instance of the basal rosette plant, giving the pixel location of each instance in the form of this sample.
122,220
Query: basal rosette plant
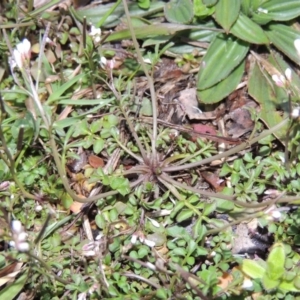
141,206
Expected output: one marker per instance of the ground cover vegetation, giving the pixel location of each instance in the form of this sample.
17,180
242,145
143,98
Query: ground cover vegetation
149,149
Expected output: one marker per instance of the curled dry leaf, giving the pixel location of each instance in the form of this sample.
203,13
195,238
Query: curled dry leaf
189,105
76,207
95,161
214,180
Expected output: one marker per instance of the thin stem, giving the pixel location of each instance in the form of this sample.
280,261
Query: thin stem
137,157
131,127
228,153
222,196
44,265
174,191
149,78
168,179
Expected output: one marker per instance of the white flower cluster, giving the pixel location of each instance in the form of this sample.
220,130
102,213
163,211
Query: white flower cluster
281,80
19,236
95,33
140,236
21,55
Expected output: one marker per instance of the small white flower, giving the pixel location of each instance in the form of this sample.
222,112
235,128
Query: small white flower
288,74
297,46
147,61
262,10
247,284
154,222
38,208
279,80
81,296
276,215
22,237
133,239
107,63
149,243
95,33
23,247
12,244
21,54
19,237
295,113
103,62
16,226
150,266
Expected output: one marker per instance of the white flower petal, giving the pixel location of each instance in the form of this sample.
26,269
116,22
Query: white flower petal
295,113
288,74
133,239
23,247
247,284
149,243
154,223
26,46
276,215
297,46
22,237
16,226
17,58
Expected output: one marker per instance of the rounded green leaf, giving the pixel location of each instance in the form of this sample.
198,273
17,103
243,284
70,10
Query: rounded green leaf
269,284
275,262
222,89
181,12
288,286
252,269
227,12
209,2
202,10
223,55
245,29
185,214
283,38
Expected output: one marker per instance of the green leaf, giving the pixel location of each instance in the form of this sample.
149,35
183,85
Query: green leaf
203,10
224,54
283,38
179,251
192,245
269,284
227,12
222,89
110,15
275,262
209,2
58,92
98,145
288,286
13,289
209,208
144,4
185,214
259,88
66,200
225,205
245,29
279,10
179,11
252,269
